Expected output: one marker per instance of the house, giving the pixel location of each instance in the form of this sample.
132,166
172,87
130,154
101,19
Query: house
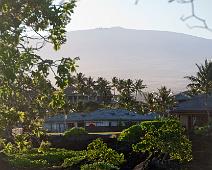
193,111
99,120
182,97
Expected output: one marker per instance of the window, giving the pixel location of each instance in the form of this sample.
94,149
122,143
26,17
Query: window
102,123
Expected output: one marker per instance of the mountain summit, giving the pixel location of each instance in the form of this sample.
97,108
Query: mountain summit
157,57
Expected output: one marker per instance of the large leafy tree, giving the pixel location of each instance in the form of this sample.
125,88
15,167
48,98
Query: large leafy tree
26,93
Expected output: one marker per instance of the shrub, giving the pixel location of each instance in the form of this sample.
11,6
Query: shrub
52,157
97,151
44,147
75,131
23,143
203,130
22,162
99,166
200,130
166,136
132,134
69,162
56,157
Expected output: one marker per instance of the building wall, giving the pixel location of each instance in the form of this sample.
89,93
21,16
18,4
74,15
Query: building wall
95,125
101,123
191,120
55,127
184,120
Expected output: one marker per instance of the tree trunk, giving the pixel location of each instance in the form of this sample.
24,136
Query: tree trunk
144,165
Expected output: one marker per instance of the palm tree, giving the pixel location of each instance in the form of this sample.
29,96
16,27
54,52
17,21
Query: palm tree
80,84
150,102
160,101
126,89
201,83
165,99
138,85
103,89
89,89
114,84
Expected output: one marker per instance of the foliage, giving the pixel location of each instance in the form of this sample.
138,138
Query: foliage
132,134
201,83
20,162
69,162
53,157
127,89
97,151
160,101
75,131
22,144
165,136
103,90
99,166
26,93
44,147
203,130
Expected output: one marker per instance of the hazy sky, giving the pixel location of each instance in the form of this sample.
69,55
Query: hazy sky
147,14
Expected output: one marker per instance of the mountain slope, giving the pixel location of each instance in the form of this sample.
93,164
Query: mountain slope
159,58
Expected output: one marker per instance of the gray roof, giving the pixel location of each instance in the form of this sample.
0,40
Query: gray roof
103,114
182,96
195,104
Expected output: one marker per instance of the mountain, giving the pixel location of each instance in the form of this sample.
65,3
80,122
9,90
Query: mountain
159,58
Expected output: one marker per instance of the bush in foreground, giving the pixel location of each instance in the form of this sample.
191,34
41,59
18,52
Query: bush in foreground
161,136
98,151
99,166
75,131
97,155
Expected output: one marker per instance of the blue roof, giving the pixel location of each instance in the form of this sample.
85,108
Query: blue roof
195,104
103,114
182,96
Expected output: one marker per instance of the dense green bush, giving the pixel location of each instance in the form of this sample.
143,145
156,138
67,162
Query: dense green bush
203,130
132,134
69,162
21,144
163,136
44,147
97,151
50,158
75,131
99,166
20,162
46,157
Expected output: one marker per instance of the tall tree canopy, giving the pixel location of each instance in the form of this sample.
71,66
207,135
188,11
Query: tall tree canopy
26,93
202,81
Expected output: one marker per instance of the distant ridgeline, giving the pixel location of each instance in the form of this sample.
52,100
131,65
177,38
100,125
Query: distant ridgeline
157,57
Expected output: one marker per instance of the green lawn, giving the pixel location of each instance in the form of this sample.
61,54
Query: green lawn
93,133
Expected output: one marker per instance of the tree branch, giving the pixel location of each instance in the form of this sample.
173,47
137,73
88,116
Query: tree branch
193,15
